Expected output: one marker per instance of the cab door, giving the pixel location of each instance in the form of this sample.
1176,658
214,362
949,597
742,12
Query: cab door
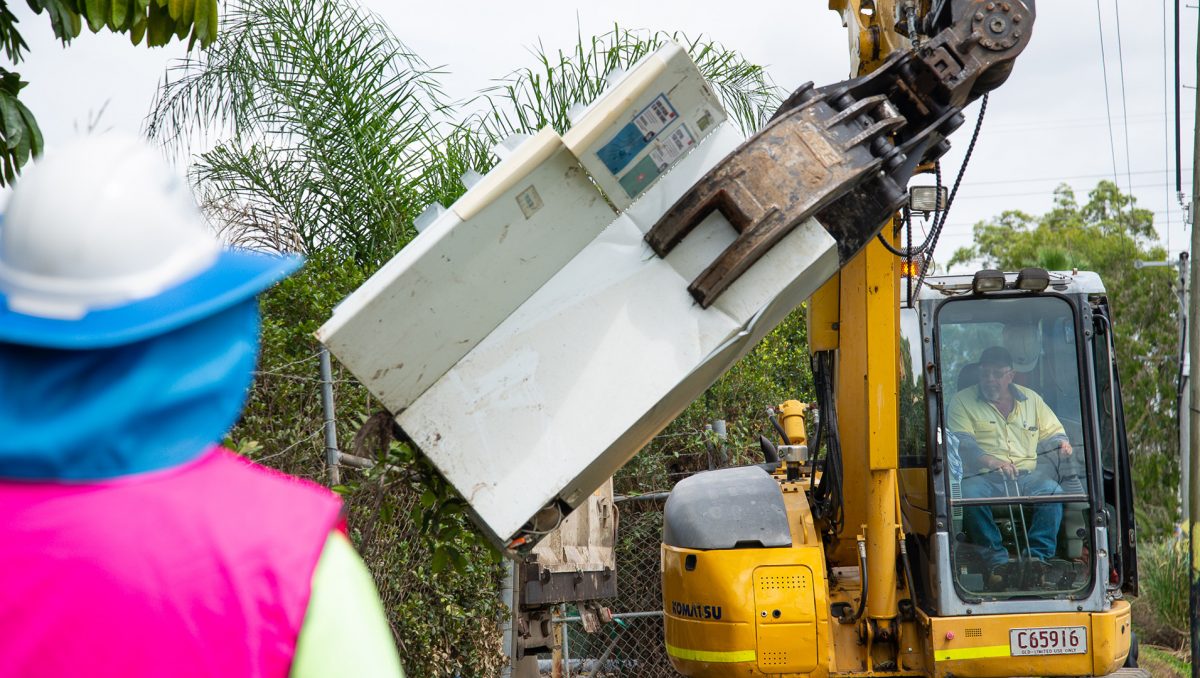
1114,452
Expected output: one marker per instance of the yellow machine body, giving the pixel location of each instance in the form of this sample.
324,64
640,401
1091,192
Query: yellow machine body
979,645
750,612
765,612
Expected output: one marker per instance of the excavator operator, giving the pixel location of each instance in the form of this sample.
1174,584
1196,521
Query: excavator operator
1000,427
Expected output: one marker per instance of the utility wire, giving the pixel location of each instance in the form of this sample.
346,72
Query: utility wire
1124,109
1166,123
1178,115
961,227
1165,172
1074,121
1019,194
1083,123
1112,144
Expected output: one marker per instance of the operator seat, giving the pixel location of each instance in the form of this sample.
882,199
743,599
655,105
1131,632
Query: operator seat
968,376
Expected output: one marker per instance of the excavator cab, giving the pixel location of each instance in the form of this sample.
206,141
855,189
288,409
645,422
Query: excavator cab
1014,462
1015,503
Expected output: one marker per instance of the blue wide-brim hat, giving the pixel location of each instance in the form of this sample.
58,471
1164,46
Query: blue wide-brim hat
234,276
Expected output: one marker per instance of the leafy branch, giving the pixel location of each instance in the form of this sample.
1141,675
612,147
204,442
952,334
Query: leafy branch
156,21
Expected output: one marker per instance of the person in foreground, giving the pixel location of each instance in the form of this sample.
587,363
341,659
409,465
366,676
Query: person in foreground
132,544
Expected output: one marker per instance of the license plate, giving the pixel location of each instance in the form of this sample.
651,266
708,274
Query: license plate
1048,640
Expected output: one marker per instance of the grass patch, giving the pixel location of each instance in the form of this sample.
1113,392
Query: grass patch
1160,613
1163,663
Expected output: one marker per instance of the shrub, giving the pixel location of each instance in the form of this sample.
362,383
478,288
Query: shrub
1161,611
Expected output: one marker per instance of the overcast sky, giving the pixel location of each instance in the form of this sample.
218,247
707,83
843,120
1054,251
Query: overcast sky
1048,125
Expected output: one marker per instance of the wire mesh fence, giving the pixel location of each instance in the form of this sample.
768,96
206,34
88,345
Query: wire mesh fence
632,644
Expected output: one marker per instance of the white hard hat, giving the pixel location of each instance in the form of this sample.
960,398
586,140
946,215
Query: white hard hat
102,244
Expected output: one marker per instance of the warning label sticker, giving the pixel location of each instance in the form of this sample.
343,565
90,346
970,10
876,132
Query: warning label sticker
667,151
655,117
633,138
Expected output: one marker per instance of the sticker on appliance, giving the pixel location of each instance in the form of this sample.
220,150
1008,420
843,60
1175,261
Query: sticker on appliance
634,137
655,117
667,151
642,175
529,201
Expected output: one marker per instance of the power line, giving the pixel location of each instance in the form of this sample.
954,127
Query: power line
1112,146
1146,118
977,196
1124,110
1166,122
965,228
1178,116
1064,177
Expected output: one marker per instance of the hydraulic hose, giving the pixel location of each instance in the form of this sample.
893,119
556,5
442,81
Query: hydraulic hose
778,427
862,569
908,575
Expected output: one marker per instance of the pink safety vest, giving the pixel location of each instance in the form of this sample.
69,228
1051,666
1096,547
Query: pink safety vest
200,570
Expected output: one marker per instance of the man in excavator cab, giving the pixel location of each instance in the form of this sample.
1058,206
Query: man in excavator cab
1002,428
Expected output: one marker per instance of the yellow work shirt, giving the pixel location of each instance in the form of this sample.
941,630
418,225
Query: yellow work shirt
1013,438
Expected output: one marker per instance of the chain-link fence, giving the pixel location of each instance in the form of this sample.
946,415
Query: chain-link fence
632,643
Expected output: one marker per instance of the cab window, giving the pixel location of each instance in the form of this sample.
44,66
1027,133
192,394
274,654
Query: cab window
1014,446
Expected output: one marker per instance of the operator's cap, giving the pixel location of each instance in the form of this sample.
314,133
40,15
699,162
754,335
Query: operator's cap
102,245
996,355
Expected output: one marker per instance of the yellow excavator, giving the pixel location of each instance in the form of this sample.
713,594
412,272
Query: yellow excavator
962,506
884,545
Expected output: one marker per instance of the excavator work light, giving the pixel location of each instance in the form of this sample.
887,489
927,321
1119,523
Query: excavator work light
987,280
927,199
1033,279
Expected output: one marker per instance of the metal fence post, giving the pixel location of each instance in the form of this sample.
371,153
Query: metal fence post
331,448
722,442
508,596
566,645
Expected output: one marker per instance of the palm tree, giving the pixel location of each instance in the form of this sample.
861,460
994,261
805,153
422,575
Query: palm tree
534,97
328,119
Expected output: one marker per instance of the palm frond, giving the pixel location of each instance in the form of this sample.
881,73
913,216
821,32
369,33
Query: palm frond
330,117
533,97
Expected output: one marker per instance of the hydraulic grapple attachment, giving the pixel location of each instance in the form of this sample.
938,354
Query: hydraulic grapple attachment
845,153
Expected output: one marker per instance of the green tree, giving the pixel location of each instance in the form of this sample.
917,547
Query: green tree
158,21
1109,234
